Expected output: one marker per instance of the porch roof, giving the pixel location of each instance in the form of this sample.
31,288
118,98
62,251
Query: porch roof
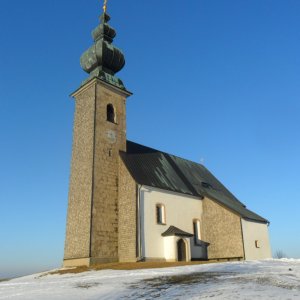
172,230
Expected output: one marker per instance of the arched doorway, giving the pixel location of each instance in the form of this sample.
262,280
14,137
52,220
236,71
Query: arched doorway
181,250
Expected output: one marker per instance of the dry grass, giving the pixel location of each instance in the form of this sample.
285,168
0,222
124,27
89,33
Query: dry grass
127,266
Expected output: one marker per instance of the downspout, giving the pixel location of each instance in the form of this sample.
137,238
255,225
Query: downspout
139,225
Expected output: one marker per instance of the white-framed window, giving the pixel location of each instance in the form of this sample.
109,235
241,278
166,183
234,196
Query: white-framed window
160,214
196,229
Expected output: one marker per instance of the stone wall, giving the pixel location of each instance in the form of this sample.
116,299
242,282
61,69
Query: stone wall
222,229
92,226
77,243
110,138
127,216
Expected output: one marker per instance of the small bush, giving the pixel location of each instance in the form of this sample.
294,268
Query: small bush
280,254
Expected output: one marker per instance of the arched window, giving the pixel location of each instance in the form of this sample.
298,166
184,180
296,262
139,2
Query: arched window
110,113
160,214
196,228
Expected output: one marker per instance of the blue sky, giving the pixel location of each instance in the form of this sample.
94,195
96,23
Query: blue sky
213,81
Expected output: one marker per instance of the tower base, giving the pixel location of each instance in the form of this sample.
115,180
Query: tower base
87,261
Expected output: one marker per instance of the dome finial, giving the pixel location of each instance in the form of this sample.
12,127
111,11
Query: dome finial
103,59
105,6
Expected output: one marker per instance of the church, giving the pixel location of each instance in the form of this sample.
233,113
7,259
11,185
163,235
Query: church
132,203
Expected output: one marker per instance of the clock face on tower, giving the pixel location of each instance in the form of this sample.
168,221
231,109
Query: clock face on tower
111,136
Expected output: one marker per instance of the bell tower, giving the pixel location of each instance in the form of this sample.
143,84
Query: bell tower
99,134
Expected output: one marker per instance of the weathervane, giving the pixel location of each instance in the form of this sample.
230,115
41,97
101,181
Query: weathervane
105,6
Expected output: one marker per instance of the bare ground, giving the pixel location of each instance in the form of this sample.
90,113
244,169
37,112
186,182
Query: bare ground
126,266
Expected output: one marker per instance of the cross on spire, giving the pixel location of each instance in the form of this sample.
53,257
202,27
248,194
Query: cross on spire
105,6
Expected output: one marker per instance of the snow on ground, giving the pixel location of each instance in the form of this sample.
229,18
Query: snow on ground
268,279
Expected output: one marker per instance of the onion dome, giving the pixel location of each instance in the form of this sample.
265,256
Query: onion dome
103,59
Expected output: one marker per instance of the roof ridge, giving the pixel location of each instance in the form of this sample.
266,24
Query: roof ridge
163,152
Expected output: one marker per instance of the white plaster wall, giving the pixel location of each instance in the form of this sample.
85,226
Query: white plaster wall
180,212
253,231
170,248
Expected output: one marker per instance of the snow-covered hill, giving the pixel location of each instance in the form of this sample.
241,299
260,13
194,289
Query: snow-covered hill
269,279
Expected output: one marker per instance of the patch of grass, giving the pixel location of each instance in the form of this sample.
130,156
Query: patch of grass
127,266
86,285
193,278
3,279
163,286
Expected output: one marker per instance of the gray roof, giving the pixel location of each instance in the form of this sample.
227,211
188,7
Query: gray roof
172,230
158,169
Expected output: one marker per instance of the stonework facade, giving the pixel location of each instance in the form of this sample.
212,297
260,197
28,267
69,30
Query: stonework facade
92,222
110,138
77,244
127,216
222,229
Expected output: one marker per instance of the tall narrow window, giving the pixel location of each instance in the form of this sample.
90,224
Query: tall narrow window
196,228
110,113
160,214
